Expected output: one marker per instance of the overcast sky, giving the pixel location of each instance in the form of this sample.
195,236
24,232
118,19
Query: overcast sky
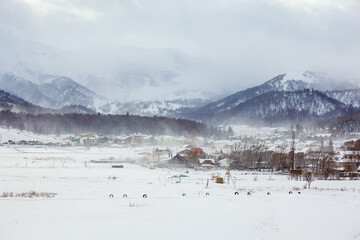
249,41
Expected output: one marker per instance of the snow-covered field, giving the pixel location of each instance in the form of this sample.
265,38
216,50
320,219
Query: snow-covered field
17,135
82,208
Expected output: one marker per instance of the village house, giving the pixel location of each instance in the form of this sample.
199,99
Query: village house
207,163
88,141
177,161
160,154
138,138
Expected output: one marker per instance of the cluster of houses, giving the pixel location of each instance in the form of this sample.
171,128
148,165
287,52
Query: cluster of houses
197,152
209,158
189,157
217,153
93,139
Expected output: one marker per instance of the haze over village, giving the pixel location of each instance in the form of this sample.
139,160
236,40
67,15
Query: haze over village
180,119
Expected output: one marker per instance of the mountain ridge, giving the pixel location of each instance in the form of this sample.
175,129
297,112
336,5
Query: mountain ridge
65,95
285,107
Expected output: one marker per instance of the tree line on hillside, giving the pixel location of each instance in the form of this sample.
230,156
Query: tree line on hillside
106,124
341,126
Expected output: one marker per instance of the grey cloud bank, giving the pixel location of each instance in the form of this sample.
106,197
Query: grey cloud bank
217,46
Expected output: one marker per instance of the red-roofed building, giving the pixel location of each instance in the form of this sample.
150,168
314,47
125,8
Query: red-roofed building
196,150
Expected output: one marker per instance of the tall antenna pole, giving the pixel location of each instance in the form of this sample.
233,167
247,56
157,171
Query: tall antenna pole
293,147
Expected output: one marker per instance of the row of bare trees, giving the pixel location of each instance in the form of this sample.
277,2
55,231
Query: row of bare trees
246,155
319,164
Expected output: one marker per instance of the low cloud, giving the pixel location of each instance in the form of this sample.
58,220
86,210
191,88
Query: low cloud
228,44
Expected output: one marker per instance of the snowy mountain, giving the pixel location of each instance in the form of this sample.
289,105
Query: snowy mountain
15,104
25,89
284,107
56,93
348,96
66,95
122,79
118,73
283,82
162,82
282,97
169,108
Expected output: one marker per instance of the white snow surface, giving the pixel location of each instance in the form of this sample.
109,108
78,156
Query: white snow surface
7,134
82,208
307,76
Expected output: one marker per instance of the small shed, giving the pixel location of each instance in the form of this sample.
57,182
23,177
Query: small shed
178,178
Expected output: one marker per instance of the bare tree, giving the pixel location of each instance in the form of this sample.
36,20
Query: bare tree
292,150
239,154
309,178
279,158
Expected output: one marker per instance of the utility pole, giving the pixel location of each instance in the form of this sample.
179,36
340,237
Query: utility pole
292,150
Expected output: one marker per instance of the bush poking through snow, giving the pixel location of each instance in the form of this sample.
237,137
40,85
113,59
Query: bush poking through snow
7,194
29,194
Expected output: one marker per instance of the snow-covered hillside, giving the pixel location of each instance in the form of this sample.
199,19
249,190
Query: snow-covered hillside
281,83
282,107
17,135
60,92
55,93
161,82
169,108
107,80
15,104
349,96
118,73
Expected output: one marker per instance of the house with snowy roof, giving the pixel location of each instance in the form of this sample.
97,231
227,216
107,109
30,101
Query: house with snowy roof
207,163
177,161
